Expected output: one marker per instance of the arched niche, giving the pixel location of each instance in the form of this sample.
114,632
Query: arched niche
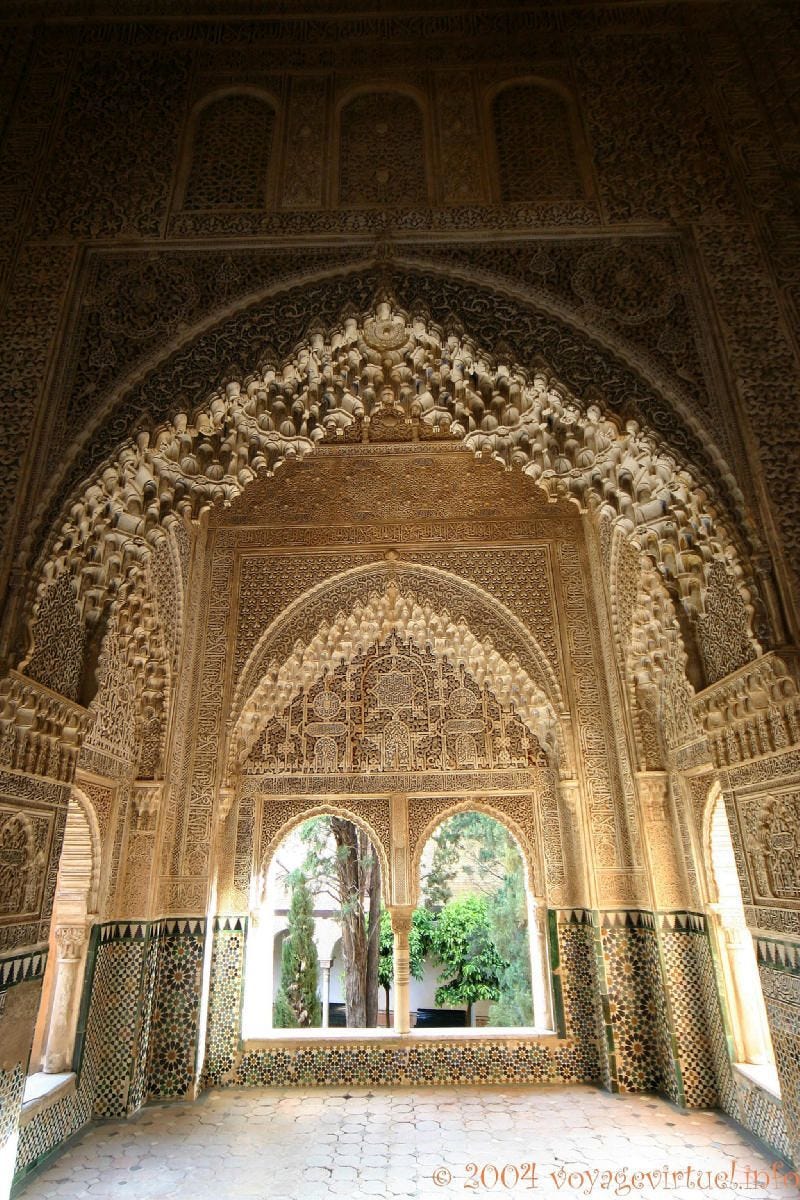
257,1017
538,142
304,814
429,608
383,148
531,853
227,158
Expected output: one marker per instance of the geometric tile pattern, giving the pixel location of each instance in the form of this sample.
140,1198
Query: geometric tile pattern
176,1009
50,1127
682,966
145,1007
12,1085
577,981
225,997
112,1026
137,1094
763,1114
782,997
636,1011
566,1060
18,968
742,1099
402,1064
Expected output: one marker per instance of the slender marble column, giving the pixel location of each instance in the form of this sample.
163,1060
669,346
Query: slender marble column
401,928
325,964
70,940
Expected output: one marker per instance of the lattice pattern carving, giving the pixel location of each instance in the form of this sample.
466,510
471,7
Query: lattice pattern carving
382,157
773,846
230,153
416,621
392,708
57,661
724,627
535,151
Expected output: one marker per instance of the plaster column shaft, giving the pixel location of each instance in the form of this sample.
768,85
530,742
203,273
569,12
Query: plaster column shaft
750,1016
401,927
537,938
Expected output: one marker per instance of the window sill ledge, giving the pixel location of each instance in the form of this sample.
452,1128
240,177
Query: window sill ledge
281,1037
763,1076
42,1091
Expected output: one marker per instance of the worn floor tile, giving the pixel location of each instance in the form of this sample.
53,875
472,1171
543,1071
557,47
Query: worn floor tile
573,1142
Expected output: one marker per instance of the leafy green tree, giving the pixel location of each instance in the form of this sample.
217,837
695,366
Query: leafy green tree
462,942
476,849
471,844
508,917
297,1005
419,945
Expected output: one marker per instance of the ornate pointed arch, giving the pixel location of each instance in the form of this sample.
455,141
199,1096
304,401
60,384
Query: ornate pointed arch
374,370
81,855
276,835
532,856
424,605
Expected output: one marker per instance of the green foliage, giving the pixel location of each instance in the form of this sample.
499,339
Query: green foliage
508,916
471,844
436,890
419,945
487,957
297,1005
462,942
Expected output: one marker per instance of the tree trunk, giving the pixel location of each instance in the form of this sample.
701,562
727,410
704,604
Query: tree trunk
354,933
373,936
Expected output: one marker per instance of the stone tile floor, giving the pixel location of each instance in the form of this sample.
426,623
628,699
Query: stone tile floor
323,1143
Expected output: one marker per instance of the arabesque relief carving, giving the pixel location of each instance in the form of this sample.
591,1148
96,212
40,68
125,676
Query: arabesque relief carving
392,708
413,618
772,823
754,712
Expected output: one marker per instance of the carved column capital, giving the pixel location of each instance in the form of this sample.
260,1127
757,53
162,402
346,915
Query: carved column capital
401,916
227,796
146,799
70,940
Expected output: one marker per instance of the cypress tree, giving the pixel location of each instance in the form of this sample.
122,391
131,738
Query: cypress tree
297,1005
